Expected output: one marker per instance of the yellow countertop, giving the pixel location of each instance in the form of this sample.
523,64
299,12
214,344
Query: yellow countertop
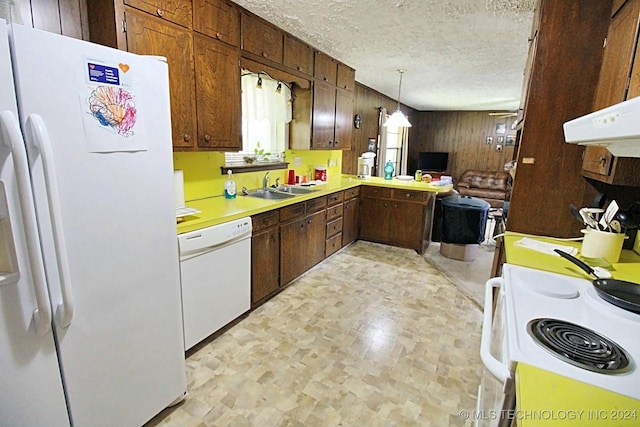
547,399
217,210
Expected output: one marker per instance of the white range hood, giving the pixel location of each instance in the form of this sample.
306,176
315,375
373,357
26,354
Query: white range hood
616,127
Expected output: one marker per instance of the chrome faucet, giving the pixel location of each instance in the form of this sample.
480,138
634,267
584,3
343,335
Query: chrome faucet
278,182
265,181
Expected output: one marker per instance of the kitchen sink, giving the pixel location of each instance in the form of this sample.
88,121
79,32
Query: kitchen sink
270,195
295,190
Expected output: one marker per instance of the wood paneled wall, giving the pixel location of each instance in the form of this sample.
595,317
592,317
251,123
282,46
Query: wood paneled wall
66,17
463,134
367,104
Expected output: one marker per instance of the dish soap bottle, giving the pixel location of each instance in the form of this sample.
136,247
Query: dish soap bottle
230,187
388,170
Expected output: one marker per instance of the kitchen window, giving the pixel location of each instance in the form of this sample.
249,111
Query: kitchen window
266,114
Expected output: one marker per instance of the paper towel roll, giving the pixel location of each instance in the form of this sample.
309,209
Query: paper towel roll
178,185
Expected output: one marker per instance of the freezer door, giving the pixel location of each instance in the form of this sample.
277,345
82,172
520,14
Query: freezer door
98,131
32,393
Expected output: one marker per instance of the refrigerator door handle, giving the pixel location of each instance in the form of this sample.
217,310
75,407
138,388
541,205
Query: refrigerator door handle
40,139
12,137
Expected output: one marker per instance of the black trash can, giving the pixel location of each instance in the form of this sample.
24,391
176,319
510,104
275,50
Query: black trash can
464,219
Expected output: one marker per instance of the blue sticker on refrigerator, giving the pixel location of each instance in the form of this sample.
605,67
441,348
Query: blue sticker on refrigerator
99,73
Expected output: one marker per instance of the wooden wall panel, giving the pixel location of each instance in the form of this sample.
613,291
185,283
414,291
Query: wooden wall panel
66,17
463,135
367,103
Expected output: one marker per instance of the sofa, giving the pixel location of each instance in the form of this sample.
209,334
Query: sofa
486,185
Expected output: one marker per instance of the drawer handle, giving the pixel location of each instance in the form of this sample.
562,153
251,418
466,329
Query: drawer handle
186,137
408,195
218,36
265,54
160,13
603,160
207,138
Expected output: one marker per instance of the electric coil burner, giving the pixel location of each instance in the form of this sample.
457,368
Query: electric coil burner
579,346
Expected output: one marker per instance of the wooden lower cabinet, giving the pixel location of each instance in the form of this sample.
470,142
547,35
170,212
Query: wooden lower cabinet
302,245
265,256
397,217
350,220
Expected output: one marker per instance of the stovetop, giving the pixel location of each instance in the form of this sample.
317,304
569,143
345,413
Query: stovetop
532,295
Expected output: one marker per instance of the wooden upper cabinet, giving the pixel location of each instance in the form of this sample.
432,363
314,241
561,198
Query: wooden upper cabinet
218,19
325,68
346,77
149,36
298,55
617,76
343,119
176,11
324,106
262,38
217,69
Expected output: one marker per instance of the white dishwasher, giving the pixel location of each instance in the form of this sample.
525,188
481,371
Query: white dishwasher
215,273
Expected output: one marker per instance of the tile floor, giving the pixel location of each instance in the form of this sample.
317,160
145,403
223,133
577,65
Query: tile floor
373,336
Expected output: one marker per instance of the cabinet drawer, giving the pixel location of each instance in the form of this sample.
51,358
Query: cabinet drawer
317,204
368,191
334,227
333,244
265,220
334,212
351,193
414,195
335,198
292,212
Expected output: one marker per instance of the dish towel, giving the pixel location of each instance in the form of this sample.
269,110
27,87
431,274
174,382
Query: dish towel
546,248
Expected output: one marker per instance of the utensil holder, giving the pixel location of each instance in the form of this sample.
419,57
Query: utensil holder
602,244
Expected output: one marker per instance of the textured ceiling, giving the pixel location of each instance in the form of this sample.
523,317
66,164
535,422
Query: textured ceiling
458,54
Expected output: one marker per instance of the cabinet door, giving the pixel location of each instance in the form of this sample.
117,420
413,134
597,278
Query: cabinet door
313,240
614,79
346,77
218,19
350,221
217,94
374,220
298,55
324,108
177,11
261,38
265,263
292,259
344,119
406,221
149,36
325,68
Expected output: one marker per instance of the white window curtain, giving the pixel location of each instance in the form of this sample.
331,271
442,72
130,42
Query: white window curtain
393,146
266,114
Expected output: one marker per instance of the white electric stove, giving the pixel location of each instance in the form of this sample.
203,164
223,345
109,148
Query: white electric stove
557,323
605,338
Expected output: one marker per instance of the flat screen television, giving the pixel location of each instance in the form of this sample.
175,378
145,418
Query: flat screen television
433,161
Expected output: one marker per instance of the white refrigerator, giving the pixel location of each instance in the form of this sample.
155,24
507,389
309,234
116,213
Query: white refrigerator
90,311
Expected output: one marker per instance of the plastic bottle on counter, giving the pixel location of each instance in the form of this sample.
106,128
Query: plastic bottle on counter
230,187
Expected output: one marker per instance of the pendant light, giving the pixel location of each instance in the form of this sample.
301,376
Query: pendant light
397,119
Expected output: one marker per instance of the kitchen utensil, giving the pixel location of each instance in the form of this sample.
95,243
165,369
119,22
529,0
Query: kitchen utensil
576,213
588,219
597,272
599,200
611,211
620,293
